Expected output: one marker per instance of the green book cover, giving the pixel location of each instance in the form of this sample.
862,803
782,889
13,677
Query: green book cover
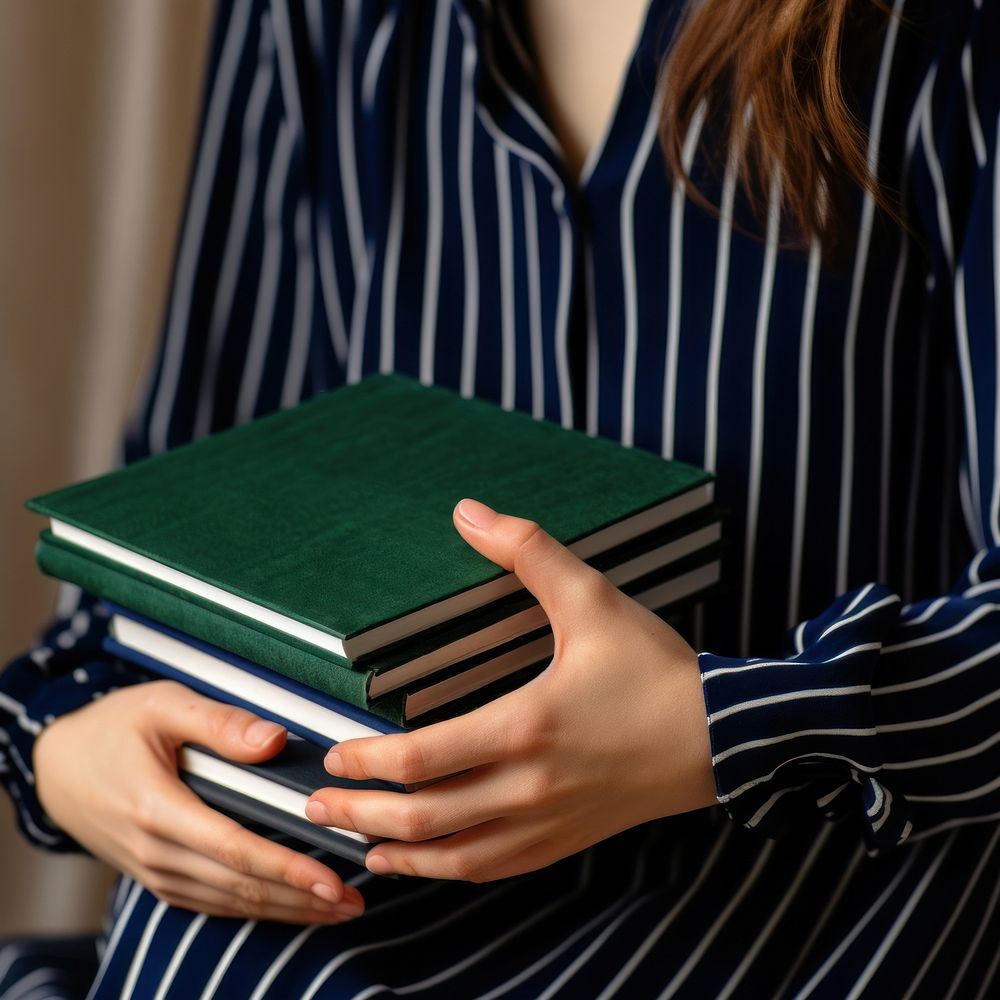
337,513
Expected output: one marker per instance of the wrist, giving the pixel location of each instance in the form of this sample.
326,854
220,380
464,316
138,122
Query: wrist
685,778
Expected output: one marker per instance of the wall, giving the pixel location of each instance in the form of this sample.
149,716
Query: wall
98,109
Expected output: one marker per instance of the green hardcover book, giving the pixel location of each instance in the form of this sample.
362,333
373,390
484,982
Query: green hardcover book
450,687
329,525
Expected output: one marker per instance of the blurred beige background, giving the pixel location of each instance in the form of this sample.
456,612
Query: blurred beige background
98,109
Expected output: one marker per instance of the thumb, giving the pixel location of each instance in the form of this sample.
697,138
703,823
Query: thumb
188,717
564,585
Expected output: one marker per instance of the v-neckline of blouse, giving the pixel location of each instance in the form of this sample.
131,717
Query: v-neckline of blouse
506,24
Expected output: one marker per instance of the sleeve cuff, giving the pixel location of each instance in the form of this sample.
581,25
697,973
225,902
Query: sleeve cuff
27,710
794,736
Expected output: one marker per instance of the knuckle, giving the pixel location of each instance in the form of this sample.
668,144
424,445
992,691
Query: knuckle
408,761
245,908
226,720
295,873
157,883
462,867
415,823
146,812
146,852
535,729
533,547
345,813
403,864
233,856
153,694
593,589
251,891
538,787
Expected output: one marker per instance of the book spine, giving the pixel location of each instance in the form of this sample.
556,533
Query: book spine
133,591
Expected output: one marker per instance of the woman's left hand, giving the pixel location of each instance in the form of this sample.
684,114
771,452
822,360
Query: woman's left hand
613,733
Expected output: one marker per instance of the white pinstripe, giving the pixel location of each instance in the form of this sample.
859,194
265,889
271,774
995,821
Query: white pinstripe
435,191
285,51
969,398
345,956
177,958
239,224
849,938
776,914
397,209
165,389
857,289
803,423
467,210
375,60
128,987
934,168
506,252
658,931
630,289
518,929
121,922
270,278
974,944
302,314
713,932
593,342
916,466
975,126
898,924
757,408
719,298
678,202
534,292
222,966
995,499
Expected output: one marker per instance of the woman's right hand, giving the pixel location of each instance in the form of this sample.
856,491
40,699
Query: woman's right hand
107,775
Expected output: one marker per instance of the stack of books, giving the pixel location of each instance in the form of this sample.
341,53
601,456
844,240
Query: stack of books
305,566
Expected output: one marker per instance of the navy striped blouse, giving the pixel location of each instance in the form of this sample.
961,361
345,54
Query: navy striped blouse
376,187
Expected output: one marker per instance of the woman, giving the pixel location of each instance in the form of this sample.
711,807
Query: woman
453,190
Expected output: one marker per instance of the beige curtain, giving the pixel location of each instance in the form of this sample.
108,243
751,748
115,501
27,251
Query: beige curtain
98,108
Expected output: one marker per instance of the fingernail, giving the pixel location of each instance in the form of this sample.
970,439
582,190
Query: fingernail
351,909
327,892
476,513
334,763
378,864
260,732
318,813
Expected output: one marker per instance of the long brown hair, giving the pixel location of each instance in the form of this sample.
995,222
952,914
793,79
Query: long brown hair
773,73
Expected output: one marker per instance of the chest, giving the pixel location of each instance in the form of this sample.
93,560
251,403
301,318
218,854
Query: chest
473,257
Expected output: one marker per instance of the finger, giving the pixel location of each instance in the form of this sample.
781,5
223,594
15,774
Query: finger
175,813
566,587
218,906
431,812
170,863
164,885
473,855
230,731
488,734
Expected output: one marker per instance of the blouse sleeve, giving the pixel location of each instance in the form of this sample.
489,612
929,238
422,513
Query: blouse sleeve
886,711
65,670
244,210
